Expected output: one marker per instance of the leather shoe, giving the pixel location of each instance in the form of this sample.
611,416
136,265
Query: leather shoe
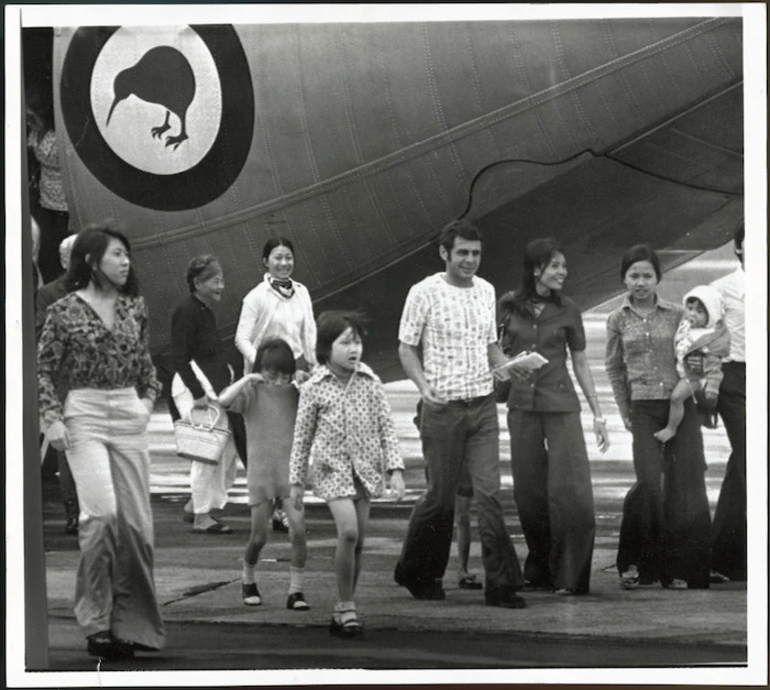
432,592
104,646
506,601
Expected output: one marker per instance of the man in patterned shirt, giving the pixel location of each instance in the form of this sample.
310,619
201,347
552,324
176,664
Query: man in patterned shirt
451,316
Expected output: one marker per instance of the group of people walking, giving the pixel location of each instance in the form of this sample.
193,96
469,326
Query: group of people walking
308,410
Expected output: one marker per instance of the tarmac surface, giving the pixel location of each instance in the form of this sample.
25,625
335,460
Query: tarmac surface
198,578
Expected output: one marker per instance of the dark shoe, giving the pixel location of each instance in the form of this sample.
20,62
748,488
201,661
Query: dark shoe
350,629
506,601
296,602
469,582
71,526
250,594
104,646
537,586
716,578
139,647
432,592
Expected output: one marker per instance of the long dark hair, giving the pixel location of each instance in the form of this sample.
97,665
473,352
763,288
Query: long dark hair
537,254
87,253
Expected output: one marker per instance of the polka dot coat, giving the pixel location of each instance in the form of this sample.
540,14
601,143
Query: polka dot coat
343,430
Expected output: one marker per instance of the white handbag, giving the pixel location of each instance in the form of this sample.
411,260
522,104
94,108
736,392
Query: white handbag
199,438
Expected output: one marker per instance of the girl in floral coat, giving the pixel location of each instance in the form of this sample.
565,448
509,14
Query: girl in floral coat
345,431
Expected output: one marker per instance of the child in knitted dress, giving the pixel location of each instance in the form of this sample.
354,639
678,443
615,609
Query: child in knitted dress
345,431
702,332
267,399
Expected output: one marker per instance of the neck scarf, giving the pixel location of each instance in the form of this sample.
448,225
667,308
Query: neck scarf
285,287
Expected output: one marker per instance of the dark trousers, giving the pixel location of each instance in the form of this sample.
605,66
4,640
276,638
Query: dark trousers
552,488
53,229
666,526
455,437
729,530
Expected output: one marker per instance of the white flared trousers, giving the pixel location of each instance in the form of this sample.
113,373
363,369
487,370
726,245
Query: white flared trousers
110,462
209,484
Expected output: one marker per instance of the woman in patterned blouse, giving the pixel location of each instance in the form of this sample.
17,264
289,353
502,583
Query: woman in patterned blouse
50,207
344,429
665,531
98,333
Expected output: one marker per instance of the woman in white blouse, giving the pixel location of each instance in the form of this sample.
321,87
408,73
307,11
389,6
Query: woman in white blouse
278,307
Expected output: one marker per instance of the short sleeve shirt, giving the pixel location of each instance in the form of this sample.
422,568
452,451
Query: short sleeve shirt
455,327
550,388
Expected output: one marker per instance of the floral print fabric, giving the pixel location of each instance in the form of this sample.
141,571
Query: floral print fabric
75,339
343,431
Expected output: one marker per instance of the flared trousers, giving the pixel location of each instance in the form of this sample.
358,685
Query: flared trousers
110,462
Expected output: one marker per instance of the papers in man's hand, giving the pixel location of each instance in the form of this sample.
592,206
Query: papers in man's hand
531,361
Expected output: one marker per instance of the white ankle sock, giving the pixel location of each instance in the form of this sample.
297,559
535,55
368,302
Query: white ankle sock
248,573
296,578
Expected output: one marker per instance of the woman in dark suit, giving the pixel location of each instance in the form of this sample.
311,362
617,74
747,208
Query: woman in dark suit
551,477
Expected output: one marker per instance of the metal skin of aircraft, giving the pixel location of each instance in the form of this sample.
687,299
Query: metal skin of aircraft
360,141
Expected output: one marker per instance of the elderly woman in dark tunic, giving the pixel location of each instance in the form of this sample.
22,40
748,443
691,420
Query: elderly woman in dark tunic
551,477
199,360
98,334
665,532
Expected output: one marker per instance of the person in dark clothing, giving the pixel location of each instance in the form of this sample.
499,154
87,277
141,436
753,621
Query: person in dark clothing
202,371
448,347
729,529
551,475
47,295
666,527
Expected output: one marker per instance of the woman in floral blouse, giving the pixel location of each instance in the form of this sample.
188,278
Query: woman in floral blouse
98,333
50,207
344,429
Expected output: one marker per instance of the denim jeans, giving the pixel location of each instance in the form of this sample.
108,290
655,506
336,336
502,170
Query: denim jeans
110,463
666,526
729,530
456,437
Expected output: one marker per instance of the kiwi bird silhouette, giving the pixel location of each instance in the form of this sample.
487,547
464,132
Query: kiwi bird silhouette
162,76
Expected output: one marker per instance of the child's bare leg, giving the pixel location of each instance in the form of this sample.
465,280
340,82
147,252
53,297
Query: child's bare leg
683,390
260,515
362,512
463,522
346,519
297,534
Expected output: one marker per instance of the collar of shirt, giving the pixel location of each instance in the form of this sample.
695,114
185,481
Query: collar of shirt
659,304
322,372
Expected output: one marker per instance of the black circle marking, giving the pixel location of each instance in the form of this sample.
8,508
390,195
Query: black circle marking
202,183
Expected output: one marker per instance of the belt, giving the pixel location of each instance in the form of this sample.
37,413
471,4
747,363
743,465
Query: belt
467,402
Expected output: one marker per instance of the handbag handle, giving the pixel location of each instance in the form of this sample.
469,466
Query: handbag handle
203,426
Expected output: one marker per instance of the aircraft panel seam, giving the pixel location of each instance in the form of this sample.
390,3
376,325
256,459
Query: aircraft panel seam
443,138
